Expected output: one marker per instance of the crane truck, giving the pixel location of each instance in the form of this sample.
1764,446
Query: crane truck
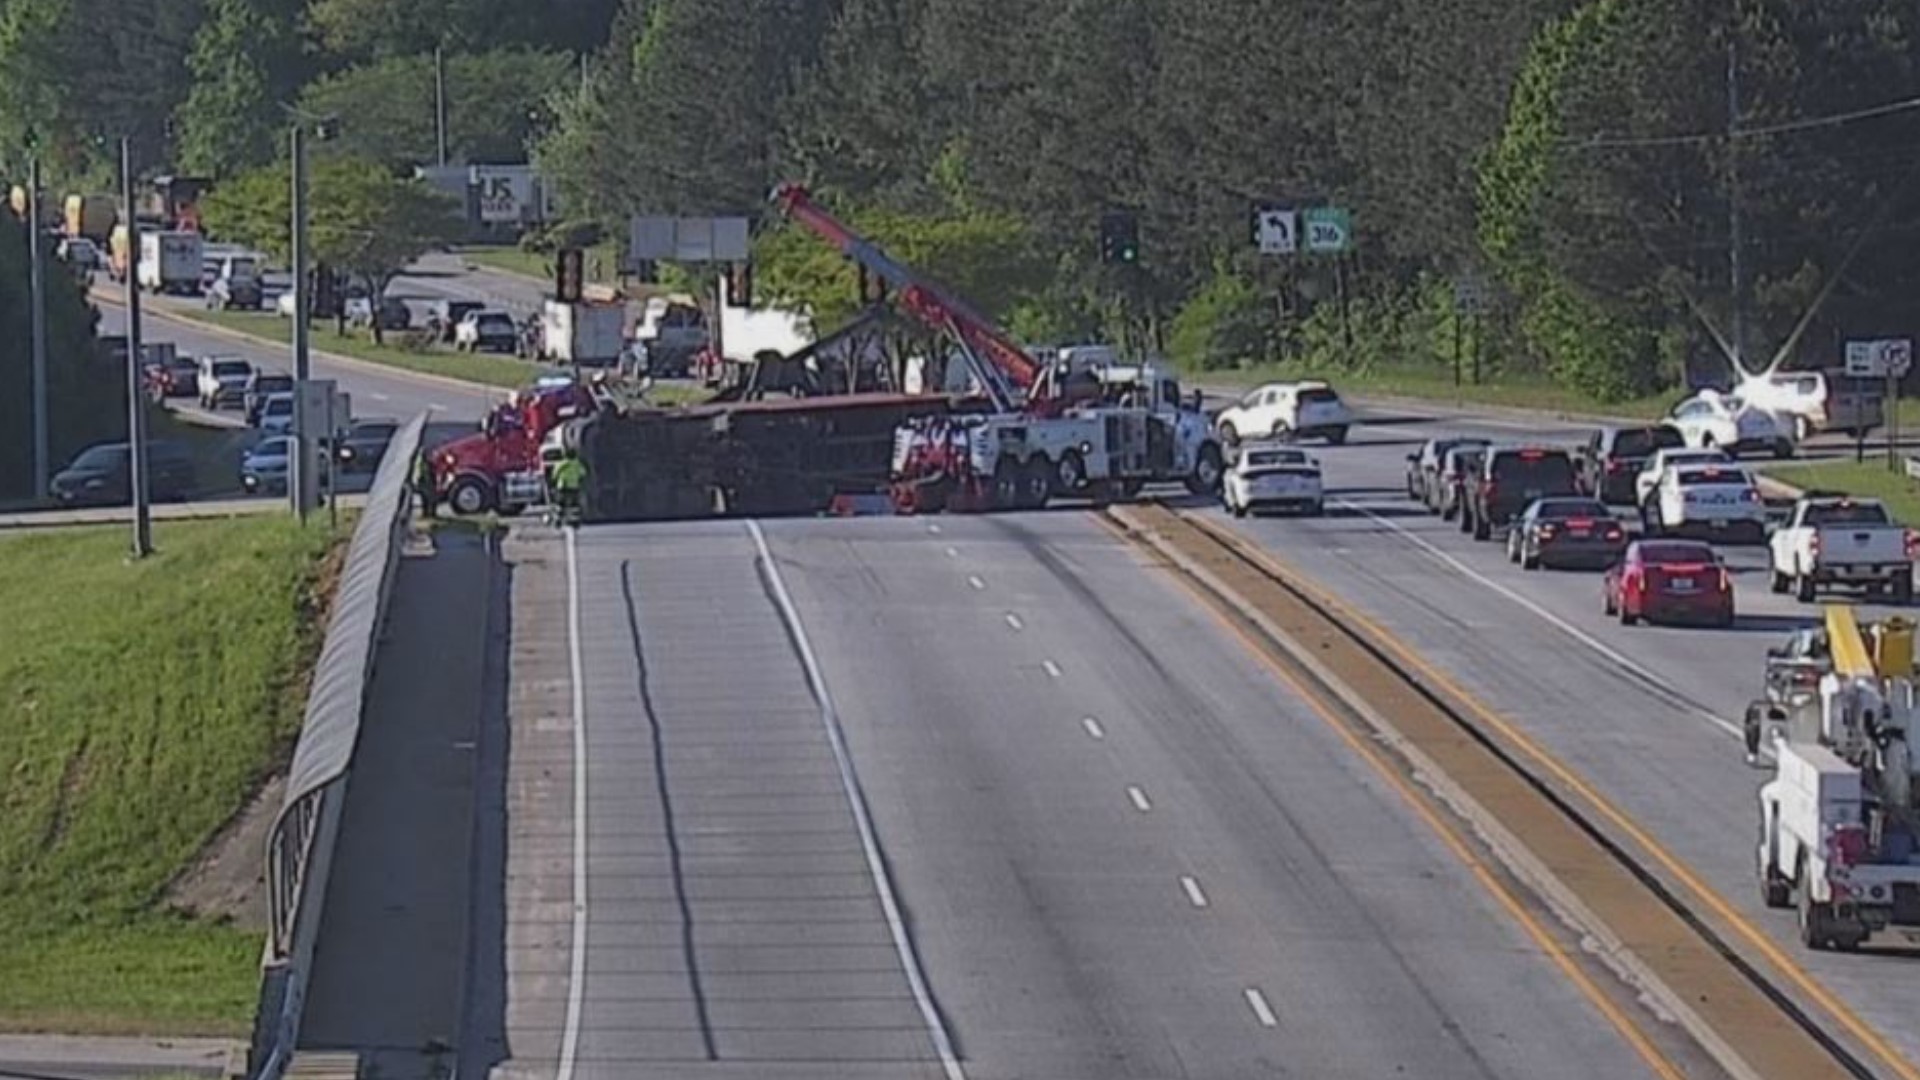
1840,826
1072,423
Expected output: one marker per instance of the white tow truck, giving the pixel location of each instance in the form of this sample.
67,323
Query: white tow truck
1840,828
1839,541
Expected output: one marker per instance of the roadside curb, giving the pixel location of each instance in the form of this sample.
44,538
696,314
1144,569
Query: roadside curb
1598,939
371,367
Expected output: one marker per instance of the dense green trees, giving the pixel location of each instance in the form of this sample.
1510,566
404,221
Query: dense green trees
86,395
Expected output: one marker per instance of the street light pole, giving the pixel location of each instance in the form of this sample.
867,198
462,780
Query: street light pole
136,409
37,289
301,487
440,104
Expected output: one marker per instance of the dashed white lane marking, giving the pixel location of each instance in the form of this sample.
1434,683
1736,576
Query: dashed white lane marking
378,397
1194,895
434,406
1093,727
577,967
934,529
1261,1010
1579,635
862,818
1139,798
975,581
1014,621
1052,668
953,553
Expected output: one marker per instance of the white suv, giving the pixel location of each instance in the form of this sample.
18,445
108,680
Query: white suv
1648,479
1299,410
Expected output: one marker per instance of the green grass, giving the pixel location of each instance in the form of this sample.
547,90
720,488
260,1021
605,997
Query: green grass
144,703
539,265
1869,478
1432,385
486,368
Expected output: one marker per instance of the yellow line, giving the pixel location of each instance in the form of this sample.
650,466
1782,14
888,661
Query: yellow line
1801,979
1651,1054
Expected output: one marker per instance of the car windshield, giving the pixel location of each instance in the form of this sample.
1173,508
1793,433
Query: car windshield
276,447
1847,513
226,369
374,431
1670,552
1693,456
279,406
273,382
494,319
1533,469
1641,442
100,457
1258,458
1567,509
1711,477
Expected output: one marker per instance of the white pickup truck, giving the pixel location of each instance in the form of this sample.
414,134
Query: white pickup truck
1838,541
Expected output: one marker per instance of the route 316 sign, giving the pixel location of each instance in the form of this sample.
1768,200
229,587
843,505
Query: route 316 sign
1885,358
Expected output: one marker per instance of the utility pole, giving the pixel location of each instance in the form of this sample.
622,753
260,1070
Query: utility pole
1736,238
440,103
301,489
37,289
136,408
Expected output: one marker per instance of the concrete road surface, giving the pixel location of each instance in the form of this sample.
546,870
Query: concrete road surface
1112,844
1650,715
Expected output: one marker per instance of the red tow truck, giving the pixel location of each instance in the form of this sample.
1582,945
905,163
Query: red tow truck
498,467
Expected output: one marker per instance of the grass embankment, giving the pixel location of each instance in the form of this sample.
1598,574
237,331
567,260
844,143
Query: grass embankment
600,263
487,368
1869,478
144,703
1435,385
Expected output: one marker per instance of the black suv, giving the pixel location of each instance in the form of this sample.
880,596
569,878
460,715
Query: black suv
98,476
1614,456
1511,479
365,445
260,386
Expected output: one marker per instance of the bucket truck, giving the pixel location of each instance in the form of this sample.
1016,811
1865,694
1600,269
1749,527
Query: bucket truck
1840,828
1074,424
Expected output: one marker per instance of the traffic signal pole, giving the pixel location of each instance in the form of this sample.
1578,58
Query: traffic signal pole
300,489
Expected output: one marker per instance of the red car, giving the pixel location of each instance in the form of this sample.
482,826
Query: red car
1674,581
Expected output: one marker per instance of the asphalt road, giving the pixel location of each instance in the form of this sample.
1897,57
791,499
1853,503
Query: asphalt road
376,391
1117,845
1648,715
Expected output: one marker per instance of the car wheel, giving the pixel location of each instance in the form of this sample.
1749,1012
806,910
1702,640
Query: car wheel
1238,511
1627,617
470,496
1607,606
1466,519
1803,588
1529,562
1513,548
1482,529
1783,449
1779,582
1229,434
1336,436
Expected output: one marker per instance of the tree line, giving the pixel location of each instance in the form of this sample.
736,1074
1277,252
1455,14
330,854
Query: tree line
1587,164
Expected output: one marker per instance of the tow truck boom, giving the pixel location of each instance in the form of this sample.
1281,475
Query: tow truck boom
1004,361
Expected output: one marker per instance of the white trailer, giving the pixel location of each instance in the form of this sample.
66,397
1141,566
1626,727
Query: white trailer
171,262
587,334
1840,831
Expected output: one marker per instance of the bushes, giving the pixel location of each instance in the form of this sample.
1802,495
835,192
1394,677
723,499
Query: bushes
1226,324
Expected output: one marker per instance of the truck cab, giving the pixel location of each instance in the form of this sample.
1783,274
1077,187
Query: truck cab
488,469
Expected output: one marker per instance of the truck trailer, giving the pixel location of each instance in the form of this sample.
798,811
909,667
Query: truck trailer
583,334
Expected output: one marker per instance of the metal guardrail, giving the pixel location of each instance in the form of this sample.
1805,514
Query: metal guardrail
300,848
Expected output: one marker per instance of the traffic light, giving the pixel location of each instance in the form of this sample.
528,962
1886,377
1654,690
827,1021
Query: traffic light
1119,238
569,282
740,285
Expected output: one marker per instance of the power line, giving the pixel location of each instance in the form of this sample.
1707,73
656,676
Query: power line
1786,127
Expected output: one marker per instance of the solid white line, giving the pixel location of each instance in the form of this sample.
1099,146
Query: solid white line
1093,727
1261,1010
1052,668
1139,798
1553,620
975,581
577,969
1014,621
1194,895
850,782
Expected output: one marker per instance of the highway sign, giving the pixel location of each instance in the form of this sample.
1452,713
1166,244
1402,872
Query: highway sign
1880,359
1470,294
1329,230
713,239
1276,230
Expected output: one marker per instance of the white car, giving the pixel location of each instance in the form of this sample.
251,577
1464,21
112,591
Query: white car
283,304
276,415
1710,418
1712,498
1308,409
1273,477
222,382
1665,458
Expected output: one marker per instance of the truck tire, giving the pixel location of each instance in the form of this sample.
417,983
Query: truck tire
1007,486
1778,582
1804,589
1069,473
1036,483
470,496
1816,919
1775,890
1208,470
1903,589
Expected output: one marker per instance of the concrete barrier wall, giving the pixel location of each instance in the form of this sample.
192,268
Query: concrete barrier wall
300,849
